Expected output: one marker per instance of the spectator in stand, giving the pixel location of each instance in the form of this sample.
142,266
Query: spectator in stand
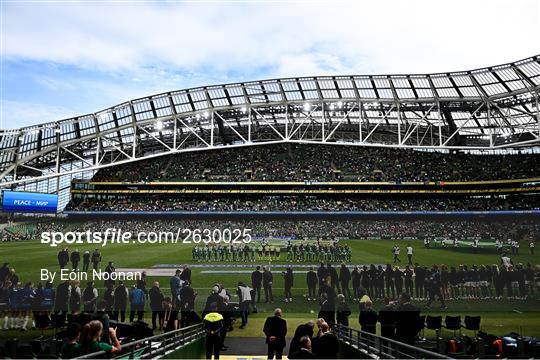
102,316
301,331
91,334
71,348
304,352
368,318
326,345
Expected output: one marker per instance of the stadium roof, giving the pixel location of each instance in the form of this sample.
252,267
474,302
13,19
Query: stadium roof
490,108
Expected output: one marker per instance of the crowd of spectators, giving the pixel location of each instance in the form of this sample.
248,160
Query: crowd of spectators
300,203
398,229
301,162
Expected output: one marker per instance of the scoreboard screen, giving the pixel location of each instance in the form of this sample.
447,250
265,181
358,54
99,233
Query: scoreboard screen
29,202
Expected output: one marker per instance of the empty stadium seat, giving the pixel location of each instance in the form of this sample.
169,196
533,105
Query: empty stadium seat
472,323
453,323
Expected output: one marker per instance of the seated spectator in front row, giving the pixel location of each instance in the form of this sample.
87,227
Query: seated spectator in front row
305,350
71,347
326,345
368,318
91,335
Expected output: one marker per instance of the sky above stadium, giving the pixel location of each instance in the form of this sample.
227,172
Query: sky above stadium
64,58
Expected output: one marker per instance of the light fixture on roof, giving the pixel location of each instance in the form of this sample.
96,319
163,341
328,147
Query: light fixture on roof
205,114
332,106
159,125
307,106
340,104
198,116
375,104
243,109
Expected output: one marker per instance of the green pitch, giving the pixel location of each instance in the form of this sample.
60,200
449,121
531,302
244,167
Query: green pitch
498,316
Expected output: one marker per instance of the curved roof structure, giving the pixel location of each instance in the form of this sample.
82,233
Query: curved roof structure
484,109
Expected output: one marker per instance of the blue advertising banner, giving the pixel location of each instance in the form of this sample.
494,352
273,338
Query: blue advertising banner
18,201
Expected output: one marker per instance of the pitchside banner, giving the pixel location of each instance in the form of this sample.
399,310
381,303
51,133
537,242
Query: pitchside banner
18,201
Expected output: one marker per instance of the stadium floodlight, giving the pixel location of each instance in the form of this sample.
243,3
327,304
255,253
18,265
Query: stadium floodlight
159,125
307,106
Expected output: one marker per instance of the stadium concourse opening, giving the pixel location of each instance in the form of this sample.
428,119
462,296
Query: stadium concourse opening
327,217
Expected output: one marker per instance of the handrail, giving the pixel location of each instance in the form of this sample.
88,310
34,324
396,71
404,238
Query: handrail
169,341
383,347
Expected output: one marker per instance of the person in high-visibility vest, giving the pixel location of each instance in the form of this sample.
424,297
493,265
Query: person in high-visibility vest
213,325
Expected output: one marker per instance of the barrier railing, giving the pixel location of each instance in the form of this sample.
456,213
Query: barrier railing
154,346
382,347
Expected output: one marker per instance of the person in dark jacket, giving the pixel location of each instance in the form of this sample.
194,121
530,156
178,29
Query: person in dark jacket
120,302
288,282
275,329
61,302
256,284
368,318
327,310
187,304
75,258
327,344
387,318
186,274
102,316
267,285
304,352
63,258
334,277
301,331
86,260
407,320
356,278
344,279
108,297
156,304
89,297
311,280
96,259
322,274
343,311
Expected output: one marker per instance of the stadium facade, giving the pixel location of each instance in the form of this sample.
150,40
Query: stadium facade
493,109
